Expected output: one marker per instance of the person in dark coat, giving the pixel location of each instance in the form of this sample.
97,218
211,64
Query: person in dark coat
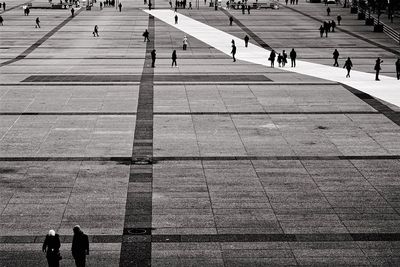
146,36
348,65
293,56
120,7
96,31
80,246
72,12
339,19
176,19
37,23
284,58
243,8
271,58
328,11
248,9
321,31
1,20
333,25
377,68
279,59
233,52
153,58
4,6
150,5
174,58
398,68
326,28
336,57
246,41
230,20
51,246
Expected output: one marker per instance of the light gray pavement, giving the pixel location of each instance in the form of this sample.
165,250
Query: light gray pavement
292,171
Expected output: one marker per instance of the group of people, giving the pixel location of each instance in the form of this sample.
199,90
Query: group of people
282,58
3,5
80,248
292,2
328,26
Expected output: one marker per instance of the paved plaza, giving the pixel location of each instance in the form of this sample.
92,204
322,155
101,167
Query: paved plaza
210,163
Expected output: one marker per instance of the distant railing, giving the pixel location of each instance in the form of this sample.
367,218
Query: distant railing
389,31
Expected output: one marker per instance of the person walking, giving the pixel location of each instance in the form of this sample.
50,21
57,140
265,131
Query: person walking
37,23
248,9
150,5
27,10
174,59
1,20
4,6
348,65
72,12
336,57
321,31
271,58
120,6
326,28
397,64
185,42
176,19
279,59
243,8
80,246
101,5
51,246
293,56
230,20
233,52
284,58
333,25
146,36
339,19
328,11
246,41
377,68
153,58
96,31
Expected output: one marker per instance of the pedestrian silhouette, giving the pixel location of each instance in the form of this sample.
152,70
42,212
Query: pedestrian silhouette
96,31
339,19
185,42
279,59
37,22
51,246
284,58
72,12
336,57
153,58
321,31
176,19
150,5
271,58
120,7
174,58
348,65
246,41
293,56
146,36
243,8
1,20
248,9
80,246
230,20
333,25
328,11
4,6
101,6
377,68
397,64
233,52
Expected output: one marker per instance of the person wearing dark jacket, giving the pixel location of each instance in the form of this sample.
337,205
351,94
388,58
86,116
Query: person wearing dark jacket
174,57
153,58
51,246
271,58
293,56
80,246
397,64
348,65
336,57
377,68
246,41
233,52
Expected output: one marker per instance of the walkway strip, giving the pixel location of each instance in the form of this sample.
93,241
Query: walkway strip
136,241
40,41
387,89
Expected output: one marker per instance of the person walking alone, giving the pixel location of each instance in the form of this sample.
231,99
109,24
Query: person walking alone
321,31
185,42
153,58
230,20
80,246
336,57
96,31
1,20
339,19
397,64
72,12
233,52
174,59
176,19
348,65
377,68
246,41
146,36
293,56
37,23
120,7
51,246
284,58
328,11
